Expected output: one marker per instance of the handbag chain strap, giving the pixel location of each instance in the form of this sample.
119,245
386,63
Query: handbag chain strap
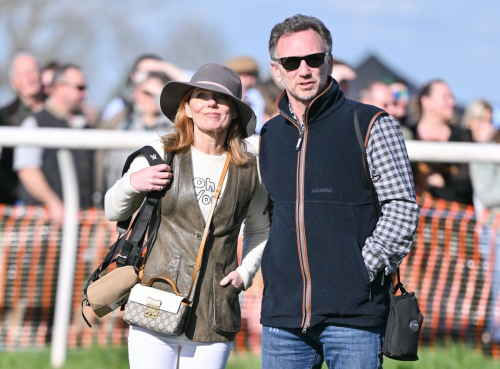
207,227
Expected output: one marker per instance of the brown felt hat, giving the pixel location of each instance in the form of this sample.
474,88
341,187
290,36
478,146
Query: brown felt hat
243,65
213,77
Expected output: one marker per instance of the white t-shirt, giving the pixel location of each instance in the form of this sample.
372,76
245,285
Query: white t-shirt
122,200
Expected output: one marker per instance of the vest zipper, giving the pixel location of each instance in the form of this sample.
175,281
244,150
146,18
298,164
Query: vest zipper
302,241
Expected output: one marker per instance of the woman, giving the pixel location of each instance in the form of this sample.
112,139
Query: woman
211,122
435,109
486,182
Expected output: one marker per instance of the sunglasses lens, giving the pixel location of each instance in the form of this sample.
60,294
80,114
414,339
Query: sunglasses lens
291,63
315,60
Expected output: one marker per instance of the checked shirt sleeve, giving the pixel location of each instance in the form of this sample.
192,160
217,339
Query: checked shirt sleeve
393,181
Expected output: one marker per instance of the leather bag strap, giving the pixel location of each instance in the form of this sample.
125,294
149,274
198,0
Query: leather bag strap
363,145
207,228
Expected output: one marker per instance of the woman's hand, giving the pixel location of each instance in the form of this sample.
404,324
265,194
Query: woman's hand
153,178
233,278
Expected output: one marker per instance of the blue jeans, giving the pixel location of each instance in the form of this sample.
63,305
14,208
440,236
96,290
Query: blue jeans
340,347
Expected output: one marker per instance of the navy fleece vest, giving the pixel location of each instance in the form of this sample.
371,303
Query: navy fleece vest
337,218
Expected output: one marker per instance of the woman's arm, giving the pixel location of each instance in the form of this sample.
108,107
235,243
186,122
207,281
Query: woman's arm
255,233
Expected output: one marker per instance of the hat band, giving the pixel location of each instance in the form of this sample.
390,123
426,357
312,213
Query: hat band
216,84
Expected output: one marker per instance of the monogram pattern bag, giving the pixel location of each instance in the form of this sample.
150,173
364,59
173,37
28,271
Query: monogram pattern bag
157,310
167,312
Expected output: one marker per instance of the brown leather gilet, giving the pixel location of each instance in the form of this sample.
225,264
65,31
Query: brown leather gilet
215,315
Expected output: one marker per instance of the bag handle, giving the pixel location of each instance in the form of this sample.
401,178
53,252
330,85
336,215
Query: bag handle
207,227
164,279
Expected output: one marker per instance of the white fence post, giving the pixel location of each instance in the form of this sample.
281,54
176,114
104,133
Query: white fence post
69,246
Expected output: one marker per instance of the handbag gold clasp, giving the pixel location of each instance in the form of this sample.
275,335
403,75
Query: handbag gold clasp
152,308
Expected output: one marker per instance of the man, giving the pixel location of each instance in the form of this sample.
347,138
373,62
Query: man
248,70
343,73
327,262
380,95
38,168
25,81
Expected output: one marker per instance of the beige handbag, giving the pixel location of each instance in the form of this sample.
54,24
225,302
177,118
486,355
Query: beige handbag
162,311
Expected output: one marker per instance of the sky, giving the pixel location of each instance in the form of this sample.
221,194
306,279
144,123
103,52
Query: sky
457,41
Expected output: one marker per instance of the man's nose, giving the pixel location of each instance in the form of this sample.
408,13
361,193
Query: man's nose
304,69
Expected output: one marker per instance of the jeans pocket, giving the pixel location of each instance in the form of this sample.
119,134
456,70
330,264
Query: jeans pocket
223,304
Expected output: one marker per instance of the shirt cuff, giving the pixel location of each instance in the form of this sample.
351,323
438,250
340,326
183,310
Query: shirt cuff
247,278
127,186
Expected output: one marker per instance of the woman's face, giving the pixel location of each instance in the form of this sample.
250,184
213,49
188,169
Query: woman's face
210,111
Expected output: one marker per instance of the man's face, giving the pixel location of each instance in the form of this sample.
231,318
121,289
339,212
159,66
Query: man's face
304,83
26,77
71,89
383,98
440,102
146,96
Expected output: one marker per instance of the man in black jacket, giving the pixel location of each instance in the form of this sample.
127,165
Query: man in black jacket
328,261
37,167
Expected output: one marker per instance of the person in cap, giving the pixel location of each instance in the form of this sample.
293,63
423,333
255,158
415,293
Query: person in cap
211,122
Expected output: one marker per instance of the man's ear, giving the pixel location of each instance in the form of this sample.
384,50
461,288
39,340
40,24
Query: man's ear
188,111
330,65
276,71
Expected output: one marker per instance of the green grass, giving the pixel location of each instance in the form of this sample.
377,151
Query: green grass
452,356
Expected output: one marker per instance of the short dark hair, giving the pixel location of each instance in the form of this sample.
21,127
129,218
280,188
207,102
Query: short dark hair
299,23
59,72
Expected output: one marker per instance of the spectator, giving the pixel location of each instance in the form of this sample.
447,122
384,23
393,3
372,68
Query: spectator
401,93
248,70
343,73
379,94
46,77
479,119
25,81
486,181
142,65
145,115
435,111
38,168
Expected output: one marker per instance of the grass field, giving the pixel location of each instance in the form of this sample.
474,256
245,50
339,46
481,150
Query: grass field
453,356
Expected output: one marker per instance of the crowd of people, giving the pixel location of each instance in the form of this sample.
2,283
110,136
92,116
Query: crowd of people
54,96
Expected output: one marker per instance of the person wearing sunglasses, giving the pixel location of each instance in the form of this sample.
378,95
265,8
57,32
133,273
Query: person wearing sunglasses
327,263
37,167
144,115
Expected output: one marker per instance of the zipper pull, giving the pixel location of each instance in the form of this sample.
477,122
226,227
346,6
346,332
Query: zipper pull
370,295
299,142
304,329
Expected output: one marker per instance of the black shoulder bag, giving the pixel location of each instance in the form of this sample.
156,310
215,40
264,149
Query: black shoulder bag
405,319
112,291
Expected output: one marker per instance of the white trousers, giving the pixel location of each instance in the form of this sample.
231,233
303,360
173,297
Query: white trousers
151,350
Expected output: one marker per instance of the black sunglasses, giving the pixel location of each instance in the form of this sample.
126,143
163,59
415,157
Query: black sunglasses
293,62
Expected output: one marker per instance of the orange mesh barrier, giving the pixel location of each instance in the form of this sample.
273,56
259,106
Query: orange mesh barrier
453,267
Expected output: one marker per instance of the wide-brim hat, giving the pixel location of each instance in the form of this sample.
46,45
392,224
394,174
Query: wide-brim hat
213,77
